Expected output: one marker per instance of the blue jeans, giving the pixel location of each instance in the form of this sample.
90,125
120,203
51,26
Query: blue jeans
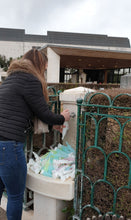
13,171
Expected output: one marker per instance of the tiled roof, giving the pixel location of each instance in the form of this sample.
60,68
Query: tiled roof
7,34
86,39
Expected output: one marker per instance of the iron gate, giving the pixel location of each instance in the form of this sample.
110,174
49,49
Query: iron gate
103,156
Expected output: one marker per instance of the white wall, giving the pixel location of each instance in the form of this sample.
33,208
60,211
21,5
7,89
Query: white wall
2,74
15,49
53,70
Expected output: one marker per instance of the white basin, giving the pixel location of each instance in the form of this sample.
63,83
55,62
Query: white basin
47,186
49,196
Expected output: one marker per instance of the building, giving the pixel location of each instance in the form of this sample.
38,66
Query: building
99,56
2,75
14,42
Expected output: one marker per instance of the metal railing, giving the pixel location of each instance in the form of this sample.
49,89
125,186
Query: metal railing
103,157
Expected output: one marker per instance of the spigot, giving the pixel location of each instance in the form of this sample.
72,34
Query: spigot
72,114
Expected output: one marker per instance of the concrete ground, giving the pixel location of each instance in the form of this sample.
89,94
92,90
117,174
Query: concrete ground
2,214
27,215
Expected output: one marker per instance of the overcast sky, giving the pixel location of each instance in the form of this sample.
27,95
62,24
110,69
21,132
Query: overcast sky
110,17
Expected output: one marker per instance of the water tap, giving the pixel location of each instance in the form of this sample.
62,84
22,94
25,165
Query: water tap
72,114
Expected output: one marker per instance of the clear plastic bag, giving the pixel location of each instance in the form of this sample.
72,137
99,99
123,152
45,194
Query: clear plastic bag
57,163
40,127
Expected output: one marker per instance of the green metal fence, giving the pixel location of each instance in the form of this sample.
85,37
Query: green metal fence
103,156
54,105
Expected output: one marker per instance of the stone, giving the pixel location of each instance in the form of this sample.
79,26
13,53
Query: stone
49,196
125,82
69,101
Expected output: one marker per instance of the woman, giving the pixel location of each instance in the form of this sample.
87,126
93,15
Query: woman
23,95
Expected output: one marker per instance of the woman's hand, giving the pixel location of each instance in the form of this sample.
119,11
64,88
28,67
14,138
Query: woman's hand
66,114
59,127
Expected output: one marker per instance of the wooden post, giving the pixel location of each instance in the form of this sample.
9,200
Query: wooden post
105,77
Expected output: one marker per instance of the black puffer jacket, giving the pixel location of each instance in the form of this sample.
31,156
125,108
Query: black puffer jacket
21,97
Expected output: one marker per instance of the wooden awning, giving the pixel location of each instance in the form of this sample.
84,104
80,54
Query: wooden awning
92,58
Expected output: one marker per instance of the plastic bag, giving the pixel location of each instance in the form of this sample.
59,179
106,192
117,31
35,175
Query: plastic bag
57,163
65,129
40,127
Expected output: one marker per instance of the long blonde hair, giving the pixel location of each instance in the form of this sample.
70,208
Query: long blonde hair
33,62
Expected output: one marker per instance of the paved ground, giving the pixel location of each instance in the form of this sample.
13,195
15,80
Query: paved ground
2,214
27,215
